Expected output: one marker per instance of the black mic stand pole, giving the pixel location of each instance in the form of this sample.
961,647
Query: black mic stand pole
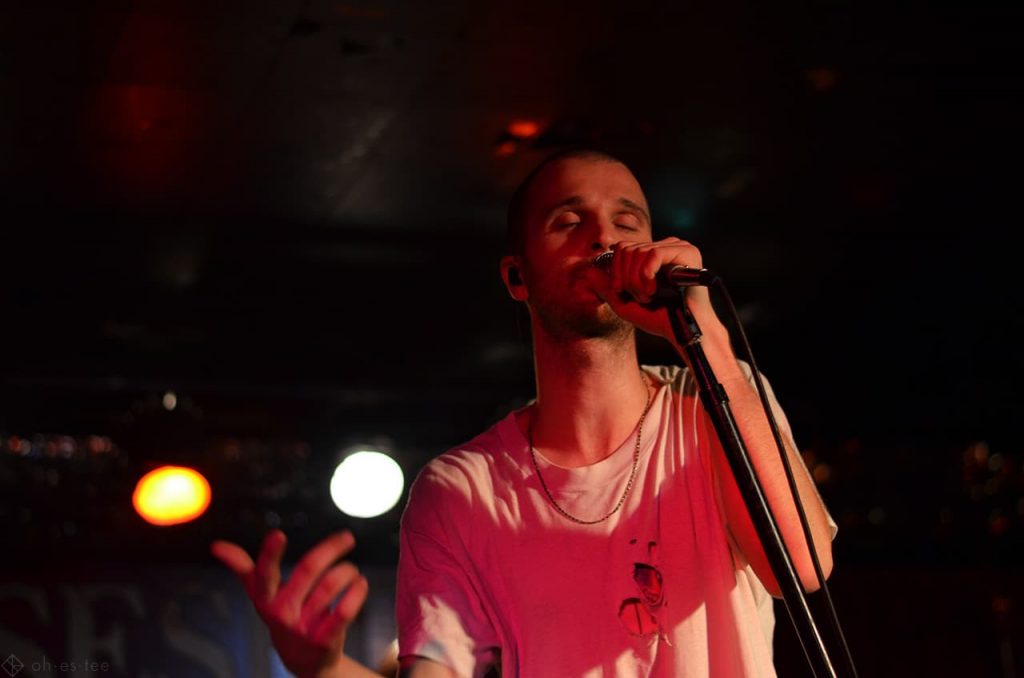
716,403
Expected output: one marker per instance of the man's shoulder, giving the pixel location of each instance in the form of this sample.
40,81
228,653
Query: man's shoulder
680,378
467,468
675,376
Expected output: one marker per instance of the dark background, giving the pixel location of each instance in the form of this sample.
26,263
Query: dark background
290,214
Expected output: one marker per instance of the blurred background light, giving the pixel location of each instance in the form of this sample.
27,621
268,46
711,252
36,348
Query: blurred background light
171,495
367,484
523,129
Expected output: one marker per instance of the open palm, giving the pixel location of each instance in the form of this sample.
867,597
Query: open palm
307,632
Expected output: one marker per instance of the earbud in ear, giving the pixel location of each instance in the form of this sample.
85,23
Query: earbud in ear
514,278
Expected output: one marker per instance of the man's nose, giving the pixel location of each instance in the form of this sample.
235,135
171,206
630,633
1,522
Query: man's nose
603,236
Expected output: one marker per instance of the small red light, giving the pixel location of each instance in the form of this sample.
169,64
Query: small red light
523,129
505,149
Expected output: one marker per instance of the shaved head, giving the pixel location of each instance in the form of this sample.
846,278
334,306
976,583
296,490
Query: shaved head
518,207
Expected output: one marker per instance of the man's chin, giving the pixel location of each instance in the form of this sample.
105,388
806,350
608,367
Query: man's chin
606,330
599,322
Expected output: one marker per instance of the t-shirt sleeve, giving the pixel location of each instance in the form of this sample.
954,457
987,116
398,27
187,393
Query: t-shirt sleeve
439,607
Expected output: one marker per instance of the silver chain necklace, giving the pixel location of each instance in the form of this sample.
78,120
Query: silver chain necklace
632,473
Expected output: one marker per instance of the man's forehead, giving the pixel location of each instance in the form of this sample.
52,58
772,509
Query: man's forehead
578,182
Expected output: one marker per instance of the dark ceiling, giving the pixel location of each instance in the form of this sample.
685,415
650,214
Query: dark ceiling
290,213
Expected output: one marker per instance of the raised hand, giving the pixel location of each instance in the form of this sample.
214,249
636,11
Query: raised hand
308,634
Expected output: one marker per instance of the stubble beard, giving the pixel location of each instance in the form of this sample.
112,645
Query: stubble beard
567,326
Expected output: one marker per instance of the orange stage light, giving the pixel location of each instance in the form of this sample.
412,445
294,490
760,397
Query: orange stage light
171,495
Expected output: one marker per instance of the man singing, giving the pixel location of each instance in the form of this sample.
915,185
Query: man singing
597,531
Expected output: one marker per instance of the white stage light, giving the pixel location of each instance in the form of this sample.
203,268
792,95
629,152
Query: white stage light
367,484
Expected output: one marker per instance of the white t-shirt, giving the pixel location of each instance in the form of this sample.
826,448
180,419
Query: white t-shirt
490,573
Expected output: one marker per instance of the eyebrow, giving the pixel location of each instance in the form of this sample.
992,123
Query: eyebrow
576,201
635,207
573,201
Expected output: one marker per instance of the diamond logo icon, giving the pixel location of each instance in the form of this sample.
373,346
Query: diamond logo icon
12,665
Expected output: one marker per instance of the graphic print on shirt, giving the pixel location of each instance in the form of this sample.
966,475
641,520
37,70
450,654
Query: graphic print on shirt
640,614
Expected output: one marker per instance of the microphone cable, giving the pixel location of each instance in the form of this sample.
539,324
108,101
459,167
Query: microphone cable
719,286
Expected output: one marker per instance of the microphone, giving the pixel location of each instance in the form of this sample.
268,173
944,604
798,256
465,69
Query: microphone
670,278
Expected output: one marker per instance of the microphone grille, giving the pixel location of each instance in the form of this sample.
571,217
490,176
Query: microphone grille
604,260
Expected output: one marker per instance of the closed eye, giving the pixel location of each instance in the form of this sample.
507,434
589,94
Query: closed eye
566,224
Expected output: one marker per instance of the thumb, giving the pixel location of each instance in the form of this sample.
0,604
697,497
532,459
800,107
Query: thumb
601,283
603,287
234,557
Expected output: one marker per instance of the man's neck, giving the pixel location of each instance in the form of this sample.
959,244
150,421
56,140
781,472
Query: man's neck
590,396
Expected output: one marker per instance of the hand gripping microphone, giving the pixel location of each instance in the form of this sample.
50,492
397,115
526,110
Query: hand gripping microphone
670,278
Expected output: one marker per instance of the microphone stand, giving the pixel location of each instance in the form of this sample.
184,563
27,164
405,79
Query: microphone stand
716,403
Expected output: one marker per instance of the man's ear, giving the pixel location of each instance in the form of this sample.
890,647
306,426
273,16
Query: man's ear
512,274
